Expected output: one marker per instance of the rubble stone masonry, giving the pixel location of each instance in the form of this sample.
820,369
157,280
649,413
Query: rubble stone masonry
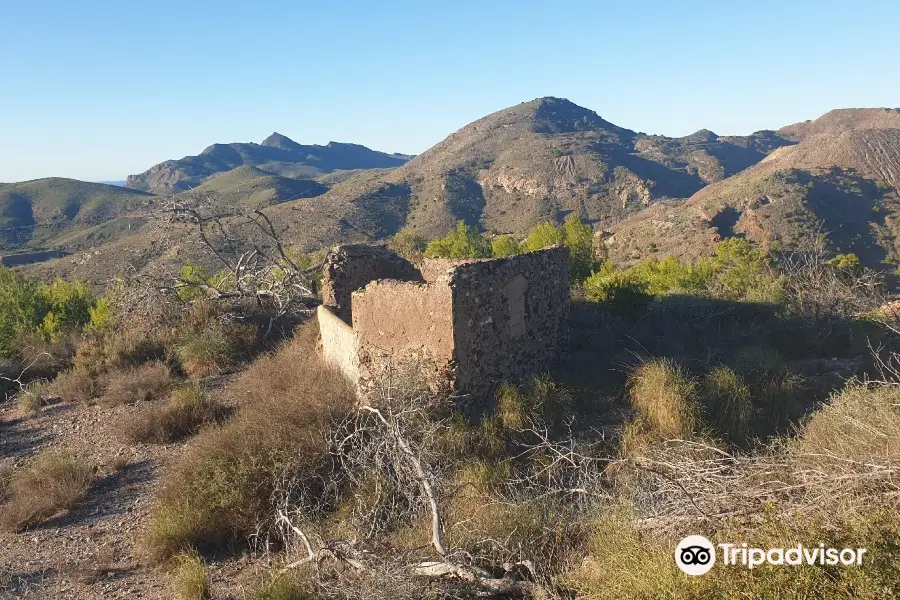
474,325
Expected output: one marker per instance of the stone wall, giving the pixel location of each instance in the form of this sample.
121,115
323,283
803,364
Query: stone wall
350,267
338,344
434,269
473,326
402,324
510,318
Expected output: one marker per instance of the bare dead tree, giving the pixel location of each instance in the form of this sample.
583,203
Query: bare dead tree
257,268
818,290
387,454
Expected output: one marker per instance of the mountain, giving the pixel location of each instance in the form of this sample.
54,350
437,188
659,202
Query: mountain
33,213
277,154
538,161
645,195
841,178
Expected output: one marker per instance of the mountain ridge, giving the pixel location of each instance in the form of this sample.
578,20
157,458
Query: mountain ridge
277,154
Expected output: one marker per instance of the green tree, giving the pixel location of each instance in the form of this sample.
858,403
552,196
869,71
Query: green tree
543,236
744,273
505,245
620,291
463,242
578,237
408,244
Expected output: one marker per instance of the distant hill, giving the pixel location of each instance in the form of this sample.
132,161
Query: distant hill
277,154
250,187
538,161
645,195
33,213
842,177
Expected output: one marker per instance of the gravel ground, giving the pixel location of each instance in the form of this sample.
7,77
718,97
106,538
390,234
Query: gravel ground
90,552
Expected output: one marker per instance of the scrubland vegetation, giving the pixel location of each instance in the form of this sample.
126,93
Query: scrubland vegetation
729,397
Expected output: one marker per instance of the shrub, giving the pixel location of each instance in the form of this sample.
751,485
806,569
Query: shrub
624,562
579,239
296,584
729,404
744,273
619,291
219,492
505,245
33,396
184,414
464,242
858,423
205,353
189,579
149,381
574,235
45,485
49,311
74,385
510,408
544,235
662,393
408,244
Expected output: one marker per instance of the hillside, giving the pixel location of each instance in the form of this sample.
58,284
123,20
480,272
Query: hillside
32,213
250,187
277,154
842,177
537,161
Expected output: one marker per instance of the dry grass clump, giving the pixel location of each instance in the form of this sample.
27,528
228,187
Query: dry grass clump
662,393
189,577
834,483
75,385
33,395
149,381
859,424
495,529
729,404
296,584
625,562
219,492
186,411
211,344
47,484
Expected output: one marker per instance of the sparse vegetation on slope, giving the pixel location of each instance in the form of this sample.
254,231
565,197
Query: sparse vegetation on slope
46,485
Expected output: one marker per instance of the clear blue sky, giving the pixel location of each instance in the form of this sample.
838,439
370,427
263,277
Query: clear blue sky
99,89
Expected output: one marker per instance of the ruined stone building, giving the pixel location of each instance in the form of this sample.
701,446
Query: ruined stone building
471,325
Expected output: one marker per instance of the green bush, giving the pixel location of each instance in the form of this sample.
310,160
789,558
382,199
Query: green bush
49,311
737,272
218,493
505,245
408,244
619,291
189,577
574,235
543,236
729,404
463,242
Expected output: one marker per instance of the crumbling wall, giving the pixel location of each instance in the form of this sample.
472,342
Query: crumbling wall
433,269
510,319
402,326
338,344
350,267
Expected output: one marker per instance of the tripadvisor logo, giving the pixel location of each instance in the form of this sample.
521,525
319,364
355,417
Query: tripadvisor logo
696,555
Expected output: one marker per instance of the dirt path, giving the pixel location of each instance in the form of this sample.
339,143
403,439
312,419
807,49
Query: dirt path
90,553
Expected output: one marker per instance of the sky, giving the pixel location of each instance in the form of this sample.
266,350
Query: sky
97,90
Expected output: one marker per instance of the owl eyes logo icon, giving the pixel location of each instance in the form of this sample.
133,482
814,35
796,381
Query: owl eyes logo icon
695,555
